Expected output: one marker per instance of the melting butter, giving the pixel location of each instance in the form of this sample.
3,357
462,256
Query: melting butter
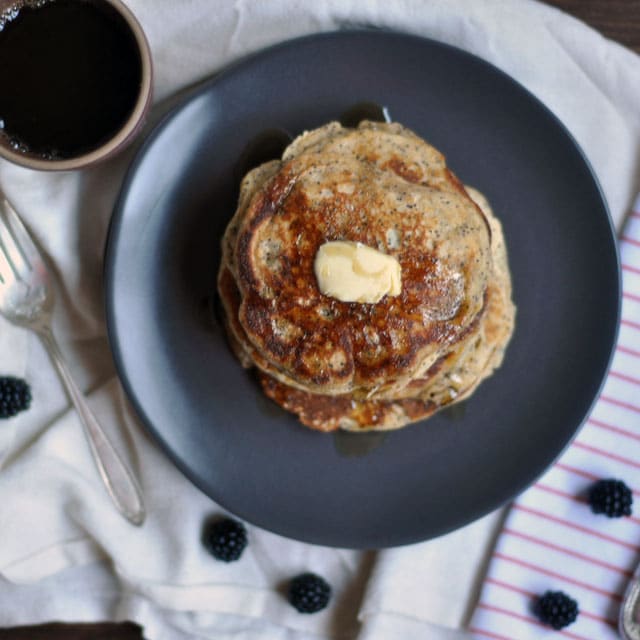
354,272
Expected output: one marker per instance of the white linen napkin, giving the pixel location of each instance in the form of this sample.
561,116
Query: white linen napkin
551,540
65,553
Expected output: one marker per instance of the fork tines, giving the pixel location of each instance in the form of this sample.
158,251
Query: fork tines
17,250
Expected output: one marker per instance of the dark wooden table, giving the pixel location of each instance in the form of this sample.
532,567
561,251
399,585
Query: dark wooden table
616,19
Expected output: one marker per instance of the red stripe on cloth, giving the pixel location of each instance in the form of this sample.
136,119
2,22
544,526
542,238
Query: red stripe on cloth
631,352
573,498
577,527
585,474
628,267
613,428
557,492
634,214
559,576
578,472
488,634
620,403
511,587
533,621
606,454
630,240
529,594
625,377
630,323
631,296
592,616
569,552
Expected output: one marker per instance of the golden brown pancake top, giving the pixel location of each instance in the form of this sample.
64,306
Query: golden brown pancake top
384,187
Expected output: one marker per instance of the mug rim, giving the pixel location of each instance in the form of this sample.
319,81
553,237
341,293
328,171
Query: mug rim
125,133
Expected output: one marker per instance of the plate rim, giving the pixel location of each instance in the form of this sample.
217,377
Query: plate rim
117,222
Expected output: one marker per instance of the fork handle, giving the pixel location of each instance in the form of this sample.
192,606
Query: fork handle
117,479
628,623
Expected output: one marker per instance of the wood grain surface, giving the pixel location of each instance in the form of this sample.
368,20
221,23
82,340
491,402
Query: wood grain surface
615,19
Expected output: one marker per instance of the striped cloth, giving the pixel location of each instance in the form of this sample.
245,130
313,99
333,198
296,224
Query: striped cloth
551,540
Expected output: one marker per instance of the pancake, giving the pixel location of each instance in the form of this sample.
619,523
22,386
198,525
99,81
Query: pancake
453,379
359,366
353,184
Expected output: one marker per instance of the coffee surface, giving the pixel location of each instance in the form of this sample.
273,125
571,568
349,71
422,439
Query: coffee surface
70,75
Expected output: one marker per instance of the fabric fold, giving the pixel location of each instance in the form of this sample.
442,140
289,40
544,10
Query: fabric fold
81,560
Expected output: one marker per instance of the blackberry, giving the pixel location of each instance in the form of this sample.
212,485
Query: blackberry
556,609
15,396
611,497
226,539
309,593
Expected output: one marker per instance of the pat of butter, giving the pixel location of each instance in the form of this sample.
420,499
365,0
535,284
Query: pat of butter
354,272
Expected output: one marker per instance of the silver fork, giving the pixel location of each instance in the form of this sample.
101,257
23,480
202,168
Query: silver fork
26,299
628,621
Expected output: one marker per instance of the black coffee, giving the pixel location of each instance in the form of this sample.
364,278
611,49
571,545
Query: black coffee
70,75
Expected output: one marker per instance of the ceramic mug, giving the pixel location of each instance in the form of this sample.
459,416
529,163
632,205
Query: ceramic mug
12,149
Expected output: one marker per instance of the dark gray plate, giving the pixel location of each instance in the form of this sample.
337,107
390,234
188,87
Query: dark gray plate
209,414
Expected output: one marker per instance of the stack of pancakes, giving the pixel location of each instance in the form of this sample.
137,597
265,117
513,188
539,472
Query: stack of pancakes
364,366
